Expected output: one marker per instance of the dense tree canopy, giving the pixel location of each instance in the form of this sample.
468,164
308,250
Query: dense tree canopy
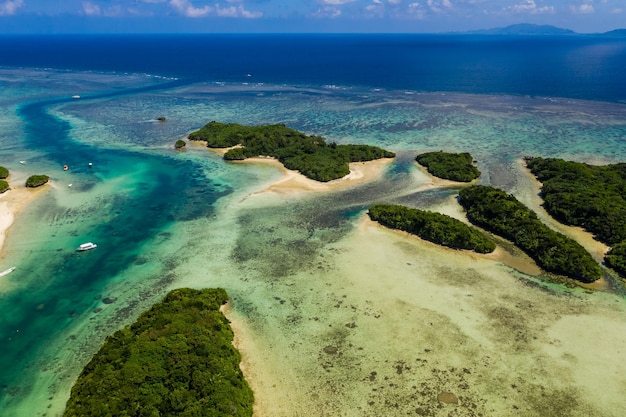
616,258
3,186
504,215
592,197
310,155
434,227
450,166
177,359
3,172
36,180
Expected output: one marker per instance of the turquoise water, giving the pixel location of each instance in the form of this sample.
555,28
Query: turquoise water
163,218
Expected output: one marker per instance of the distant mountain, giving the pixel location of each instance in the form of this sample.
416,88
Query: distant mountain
524,29
618,33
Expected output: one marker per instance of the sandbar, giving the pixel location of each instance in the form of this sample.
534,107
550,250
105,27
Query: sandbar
11,202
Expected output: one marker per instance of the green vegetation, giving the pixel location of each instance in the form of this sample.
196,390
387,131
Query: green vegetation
616,258
310,155
434,227
503,215
176,360
3,173
3,186
450,166
37,180
180,144
592,197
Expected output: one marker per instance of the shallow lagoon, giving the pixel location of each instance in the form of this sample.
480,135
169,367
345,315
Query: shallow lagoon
334,315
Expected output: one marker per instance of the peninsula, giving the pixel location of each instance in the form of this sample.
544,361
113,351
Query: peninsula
310,155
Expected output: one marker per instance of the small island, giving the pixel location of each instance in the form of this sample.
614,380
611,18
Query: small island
4,185
589,196
37,181
450,166
310,155
505,216
177,359
434,227
180,144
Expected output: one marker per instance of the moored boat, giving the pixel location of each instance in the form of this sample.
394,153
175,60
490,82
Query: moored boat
7,271
86,246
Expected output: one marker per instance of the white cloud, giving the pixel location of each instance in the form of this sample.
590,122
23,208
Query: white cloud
91,9
529,6
9,7
584,8
185,8
395,1
327,12
617,10
416,10
439,6
238,11
336,2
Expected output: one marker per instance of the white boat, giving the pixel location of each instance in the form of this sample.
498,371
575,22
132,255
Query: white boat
86,246
7,272
23,162
76,96
69,185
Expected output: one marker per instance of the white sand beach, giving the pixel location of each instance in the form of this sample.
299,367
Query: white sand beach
11,202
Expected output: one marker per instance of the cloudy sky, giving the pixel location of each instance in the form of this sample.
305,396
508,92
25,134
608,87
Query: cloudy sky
66,16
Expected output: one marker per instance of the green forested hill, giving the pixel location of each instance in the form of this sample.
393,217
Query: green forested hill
177,359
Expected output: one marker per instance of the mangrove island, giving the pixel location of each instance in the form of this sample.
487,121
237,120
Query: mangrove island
310,155
449,166
503,215
177,359
434,227
589,196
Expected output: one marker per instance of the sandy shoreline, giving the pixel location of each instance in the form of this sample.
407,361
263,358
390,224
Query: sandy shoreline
11,202
293,181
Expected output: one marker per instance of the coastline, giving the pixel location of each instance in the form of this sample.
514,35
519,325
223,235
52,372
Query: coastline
11,203
294,182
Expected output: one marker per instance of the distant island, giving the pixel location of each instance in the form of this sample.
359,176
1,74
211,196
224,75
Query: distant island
310,155
529,29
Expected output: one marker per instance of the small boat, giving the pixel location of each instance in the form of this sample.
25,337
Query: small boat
69,185
7,272
86,246
90,165
76,96
23,162
65,167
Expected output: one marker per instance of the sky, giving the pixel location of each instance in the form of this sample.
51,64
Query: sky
286,16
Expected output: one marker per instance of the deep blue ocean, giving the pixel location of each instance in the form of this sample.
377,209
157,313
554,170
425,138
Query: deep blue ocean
154,212
582,67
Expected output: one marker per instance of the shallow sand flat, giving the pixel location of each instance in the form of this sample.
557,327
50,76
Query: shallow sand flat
11,202
389,323
294,182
